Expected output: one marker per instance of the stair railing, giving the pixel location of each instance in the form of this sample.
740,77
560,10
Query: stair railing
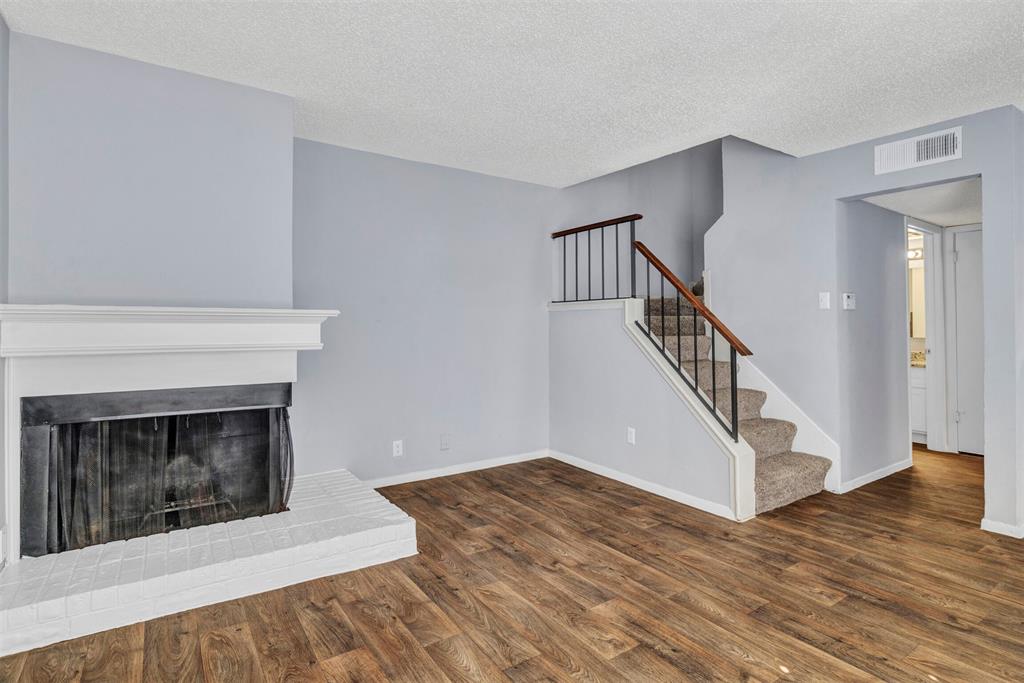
611,252
718,329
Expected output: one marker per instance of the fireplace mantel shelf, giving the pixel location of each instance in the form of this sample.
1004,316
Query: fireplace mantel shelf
57,330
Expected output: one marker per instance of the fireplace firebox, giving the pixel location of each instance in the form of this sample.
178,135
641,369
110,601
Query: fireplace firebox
105,467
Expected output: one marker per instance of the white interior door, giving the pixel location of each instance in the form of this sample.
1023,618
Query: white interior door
969,398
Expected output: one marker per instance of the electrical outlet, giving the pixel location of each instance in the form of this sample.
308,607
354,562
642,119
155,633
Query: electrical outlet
849,301
446,442
397,448
631,436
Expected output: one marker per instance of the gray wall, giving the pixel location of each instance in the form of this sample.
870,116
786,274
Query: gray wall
871,246
5,64
601,383
441,278
136,184
776,247
680,197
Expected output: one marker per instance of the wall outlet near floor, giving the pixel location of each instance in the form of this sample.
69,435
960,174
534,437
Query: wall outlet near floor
446,442
631,436
397,448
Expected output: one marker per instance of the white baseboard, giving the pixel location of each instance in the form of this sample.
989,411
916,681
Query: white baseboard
1012,530
657,489
848,486
460,468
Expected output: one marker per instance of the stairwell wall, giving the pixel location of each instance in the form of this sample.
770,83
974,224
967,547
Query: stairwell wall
777,246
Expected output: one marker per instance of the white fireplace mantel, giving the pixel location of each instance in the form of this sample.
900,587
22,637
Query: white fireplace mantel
28,330
53,350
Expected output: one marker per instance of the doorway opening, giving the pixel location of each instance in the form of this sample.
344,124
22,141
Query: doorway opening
945,338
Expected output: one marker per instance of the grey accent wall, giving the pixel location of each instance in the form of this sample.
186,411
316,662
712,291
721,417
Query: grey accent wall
874,412
777,246
136,184
601,383
680,197
441,278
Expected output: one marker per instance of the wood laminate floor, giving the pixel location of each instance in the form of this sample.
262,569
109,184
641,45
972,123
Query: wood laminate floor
540,571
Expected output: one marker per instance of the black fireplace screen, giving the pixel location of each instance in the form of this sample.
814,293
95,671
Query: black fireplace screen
115,479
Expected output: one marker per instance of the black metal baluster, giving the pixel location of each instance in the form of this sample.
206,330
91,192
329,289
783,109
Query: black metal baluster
590,265
648,293
576,268
602,263
696,357
696,365
616,260
662,311
565,267
632,258
714,384
679,331
735,411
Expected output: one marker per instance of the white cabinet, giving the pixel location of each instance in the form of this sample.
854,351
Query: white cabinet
919,404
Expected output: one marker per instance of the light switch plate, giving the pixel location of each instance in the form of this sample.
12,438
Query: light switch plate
849,301
631,436
824,300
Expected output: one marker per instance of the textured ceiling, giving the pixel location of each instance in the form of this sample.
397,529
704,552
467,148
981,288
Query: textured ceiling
557,92
947,204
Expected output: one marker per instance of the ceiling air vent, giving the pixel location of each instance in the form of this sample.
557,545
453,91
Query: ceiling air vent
922,150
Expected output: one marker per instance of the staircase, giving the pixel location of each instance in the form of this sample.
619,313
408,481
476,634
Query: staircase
699,347
782,475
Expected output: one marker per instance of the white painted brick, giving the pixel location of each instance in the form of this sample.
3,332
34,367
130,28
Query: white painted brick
177,540
335,524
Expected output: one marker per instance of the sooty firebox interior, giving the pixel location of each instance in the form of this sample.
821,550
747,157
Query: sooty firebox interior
113,466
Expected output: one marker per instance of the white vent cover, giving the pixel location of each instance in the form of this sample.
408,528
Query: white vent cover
930,148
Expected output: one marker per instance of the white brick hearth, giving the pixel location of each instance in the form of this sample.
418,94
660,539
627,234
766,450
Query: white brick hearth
335,524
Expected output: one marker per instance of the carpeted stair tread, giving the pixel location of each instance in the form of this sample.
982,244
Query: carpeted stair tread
783,478
703,373
683,346
673,324
672,306
767,435
749,402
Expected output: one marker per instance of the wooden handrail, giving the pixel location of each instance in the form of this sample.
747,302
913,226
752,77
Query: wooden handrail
705,312
595,226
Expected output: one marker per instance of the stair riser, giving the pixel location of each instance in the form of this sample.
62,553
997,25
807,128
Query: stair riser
800,476
749,404
703,374
770,441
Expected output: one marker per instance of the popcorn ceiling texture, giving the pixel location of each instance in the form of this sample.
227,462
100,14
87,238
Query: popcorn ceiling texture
559,92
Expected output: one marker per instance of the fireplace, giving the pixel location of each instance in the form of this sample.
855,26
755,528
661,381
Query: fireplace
112,466
188,408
